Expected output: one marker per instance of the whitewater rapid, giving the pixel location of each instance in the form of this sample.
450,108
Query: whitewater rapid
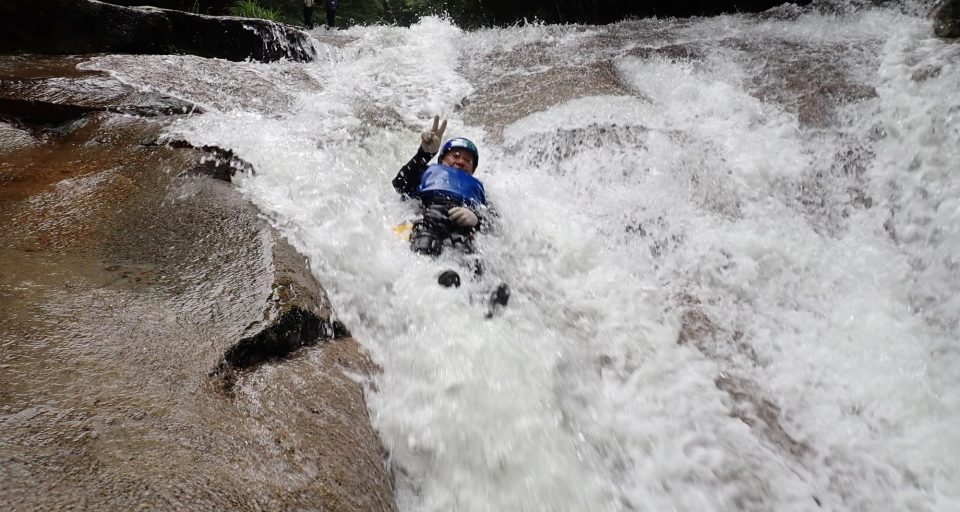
815,264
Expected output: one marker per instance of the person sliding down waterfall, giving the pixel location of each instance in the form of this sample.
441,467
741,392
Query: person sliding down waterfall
453,204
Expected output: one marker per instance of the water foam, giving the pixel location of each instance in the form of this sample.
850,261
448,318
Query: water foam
579,396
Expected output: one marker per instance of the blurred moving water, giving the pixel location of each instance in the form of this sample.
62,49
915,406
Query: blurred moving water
732,242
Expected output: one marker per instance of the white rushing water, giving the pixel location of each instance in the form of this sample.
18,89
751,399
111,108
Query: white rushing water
815,262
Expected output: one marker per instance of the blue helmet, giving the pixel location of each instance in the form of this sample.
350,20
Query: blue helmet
462,143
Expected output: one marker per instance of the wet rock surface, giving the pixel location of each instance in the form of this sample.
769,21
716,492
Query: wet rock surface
804,80
35,96
498,104
747,401
87,26
125,283
946,19
781,74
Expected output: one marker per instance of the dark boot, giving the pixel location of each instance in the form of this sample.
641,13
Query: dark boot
498,299
424,242
449,278
430,231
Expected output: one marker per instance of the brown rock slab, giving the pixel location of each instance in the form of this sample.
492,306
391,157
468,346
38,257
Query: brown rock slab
42,91
498,104
781,74
124,284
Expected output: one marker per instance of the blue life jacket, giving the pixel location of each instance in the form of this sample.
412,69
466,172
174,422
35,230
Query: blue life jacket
451,182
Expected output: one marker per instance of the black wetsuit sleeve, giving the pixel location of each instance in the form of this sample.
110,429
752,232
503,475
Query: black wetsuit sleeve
408,178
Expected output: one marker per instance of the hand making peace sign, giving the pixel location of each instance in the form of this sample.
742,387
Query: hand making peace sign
430,138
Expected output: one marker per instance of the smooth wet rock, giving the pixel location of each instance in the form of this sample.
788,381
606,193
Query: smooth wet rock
297,314
69,27
123,284
39,91
496,105
219,164
13,137
781,74
946,19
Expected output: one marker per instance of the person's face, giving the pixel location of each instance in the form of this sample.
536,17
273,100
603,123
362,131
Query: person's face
459,158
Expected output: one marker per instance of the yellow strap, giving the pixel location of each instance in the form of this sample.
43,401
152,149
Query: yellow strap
404,230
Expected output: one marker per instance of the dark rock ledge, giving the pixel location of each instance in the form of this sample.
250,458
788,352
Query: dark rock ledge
70,27
152,326
946,19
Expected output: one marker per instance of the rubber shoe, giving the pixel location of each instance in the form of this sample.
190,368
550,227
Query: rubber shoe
498,299
449,278
500,296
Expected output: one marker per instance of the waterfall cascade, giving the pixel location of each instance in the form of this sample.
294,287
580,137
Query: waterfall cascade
732,244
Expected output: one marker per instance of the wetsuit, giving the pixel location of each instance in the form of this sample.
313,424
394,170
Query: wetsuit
434,229
440,188
331,13
308,13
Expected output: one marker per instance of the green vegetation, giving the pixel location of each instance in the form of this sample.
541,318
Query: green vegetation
349,12
251,9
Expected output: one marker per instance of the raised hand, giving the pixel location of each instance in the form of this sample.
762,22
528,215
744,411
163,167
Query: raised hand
430,138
